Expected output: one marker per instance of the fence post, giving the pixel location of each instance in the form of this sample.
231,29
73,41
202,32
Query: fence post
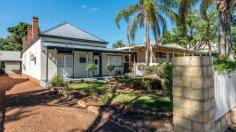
2,109
193,94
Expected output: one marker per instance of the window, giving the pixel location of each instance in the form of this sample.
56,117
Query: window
64,61
115,60
68,61
82,60
118,61
160,55
60,61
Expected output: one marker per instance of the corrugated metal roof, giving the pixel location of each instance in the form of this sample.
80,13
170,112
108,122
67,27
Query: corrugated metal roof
170,46
10,56
69,31
79,47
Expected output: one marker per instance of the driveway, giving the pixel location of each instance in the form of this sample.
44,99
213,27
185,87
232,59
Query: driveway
31,109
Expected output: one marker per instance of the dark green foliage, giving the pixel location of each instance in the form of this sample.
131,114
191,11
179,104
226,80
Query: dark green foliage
118,44
111,67
91,68
197,34
13,41
141,84
166,73
224,65
57,81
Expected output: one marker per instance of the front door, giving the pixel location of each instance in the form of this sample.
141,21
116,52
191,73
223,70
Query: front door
65,66
96,60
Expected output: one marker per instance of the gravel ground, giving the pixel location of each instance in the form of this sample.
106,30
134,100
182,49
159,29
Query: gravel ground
31,109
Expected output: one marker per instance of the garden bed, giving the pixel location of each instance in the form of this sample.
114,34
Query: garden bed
155,101
136,109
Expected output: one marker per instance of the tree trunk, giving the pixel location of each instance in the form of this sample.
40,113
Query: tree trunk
147,42
208,38
224,31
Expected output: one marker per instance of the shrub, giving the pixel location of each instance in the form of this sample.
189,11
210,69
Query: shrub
111,67
141,84
155,84
91,68
57,81
224,65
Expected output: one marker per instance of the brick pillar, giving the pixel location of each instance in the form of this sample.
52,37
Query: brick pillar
2,110
193,94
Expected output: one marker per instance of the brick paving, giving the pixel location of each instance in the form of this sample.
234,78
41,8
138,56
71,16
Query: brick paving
32,109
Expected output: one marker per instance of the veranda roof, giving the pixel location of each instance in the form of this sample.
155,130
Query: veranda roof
77,47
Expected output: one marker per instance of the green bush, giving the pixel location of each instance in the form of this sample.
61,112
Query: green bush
111,67
224,65
166,74
141,84
58,81
91,68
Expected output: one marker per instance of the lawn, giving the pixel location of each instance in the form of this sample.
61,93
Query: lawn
150,101
90,87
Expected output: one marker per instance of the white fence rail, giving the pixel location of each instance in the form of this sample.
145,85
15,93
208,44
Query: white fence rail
225,93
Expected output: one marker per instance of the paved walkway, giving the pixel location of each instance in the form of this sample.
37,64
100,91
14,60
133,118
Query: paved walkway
31,109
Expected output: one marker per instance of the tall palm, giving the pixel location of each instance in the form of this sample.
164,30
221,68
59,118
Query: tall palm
145,14
224,8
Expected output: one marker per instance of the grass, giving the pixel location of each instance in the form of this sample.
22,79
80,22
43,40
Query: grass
90,87
150,101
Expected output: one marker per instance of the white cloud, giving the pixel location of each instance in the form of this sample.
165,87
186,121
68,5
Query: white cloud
90,8
94,9
84,6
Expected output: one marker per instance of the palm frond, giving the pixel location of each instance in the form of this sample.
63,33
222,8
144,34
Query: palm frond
205,4
125,14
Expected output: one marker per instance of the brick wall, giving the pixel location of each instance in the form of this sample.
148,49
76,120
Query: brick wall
193,94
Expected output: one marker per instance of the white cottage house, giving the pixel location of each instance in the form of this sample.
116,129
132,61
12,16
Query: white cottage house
66,50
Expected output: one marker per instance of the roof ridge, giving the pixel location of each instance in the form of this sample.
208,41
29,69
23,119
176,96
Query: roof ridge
77,28
88,33
54,27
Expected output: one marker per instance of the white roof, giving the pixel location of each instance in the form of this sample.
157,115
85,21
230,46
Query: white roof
10,56
69,31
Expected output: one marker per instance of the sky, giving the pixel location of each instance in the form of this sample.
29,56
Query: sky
94,16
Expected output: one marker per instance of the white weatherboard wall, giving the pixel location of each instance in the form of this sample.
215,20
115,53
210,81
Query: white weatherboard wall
225,93
80,68
31,68
105,71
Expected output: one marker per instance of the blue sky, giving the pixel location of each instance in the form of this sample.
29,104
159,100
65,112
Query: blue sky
94,16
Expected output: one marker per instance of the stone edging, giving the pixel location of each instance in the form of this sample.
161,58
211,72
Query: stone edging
112,117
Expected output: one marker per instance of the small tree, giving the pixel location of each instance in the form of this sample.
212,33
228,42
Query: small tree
91,68
110,67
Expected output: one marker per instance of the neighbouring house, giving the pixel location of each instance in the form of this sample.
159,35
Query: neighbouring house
10,62
66,50
165,53
162,53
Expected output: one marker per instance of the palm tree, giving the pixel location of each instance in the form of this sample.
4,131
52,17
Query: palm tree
145,14
118,44
224,8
